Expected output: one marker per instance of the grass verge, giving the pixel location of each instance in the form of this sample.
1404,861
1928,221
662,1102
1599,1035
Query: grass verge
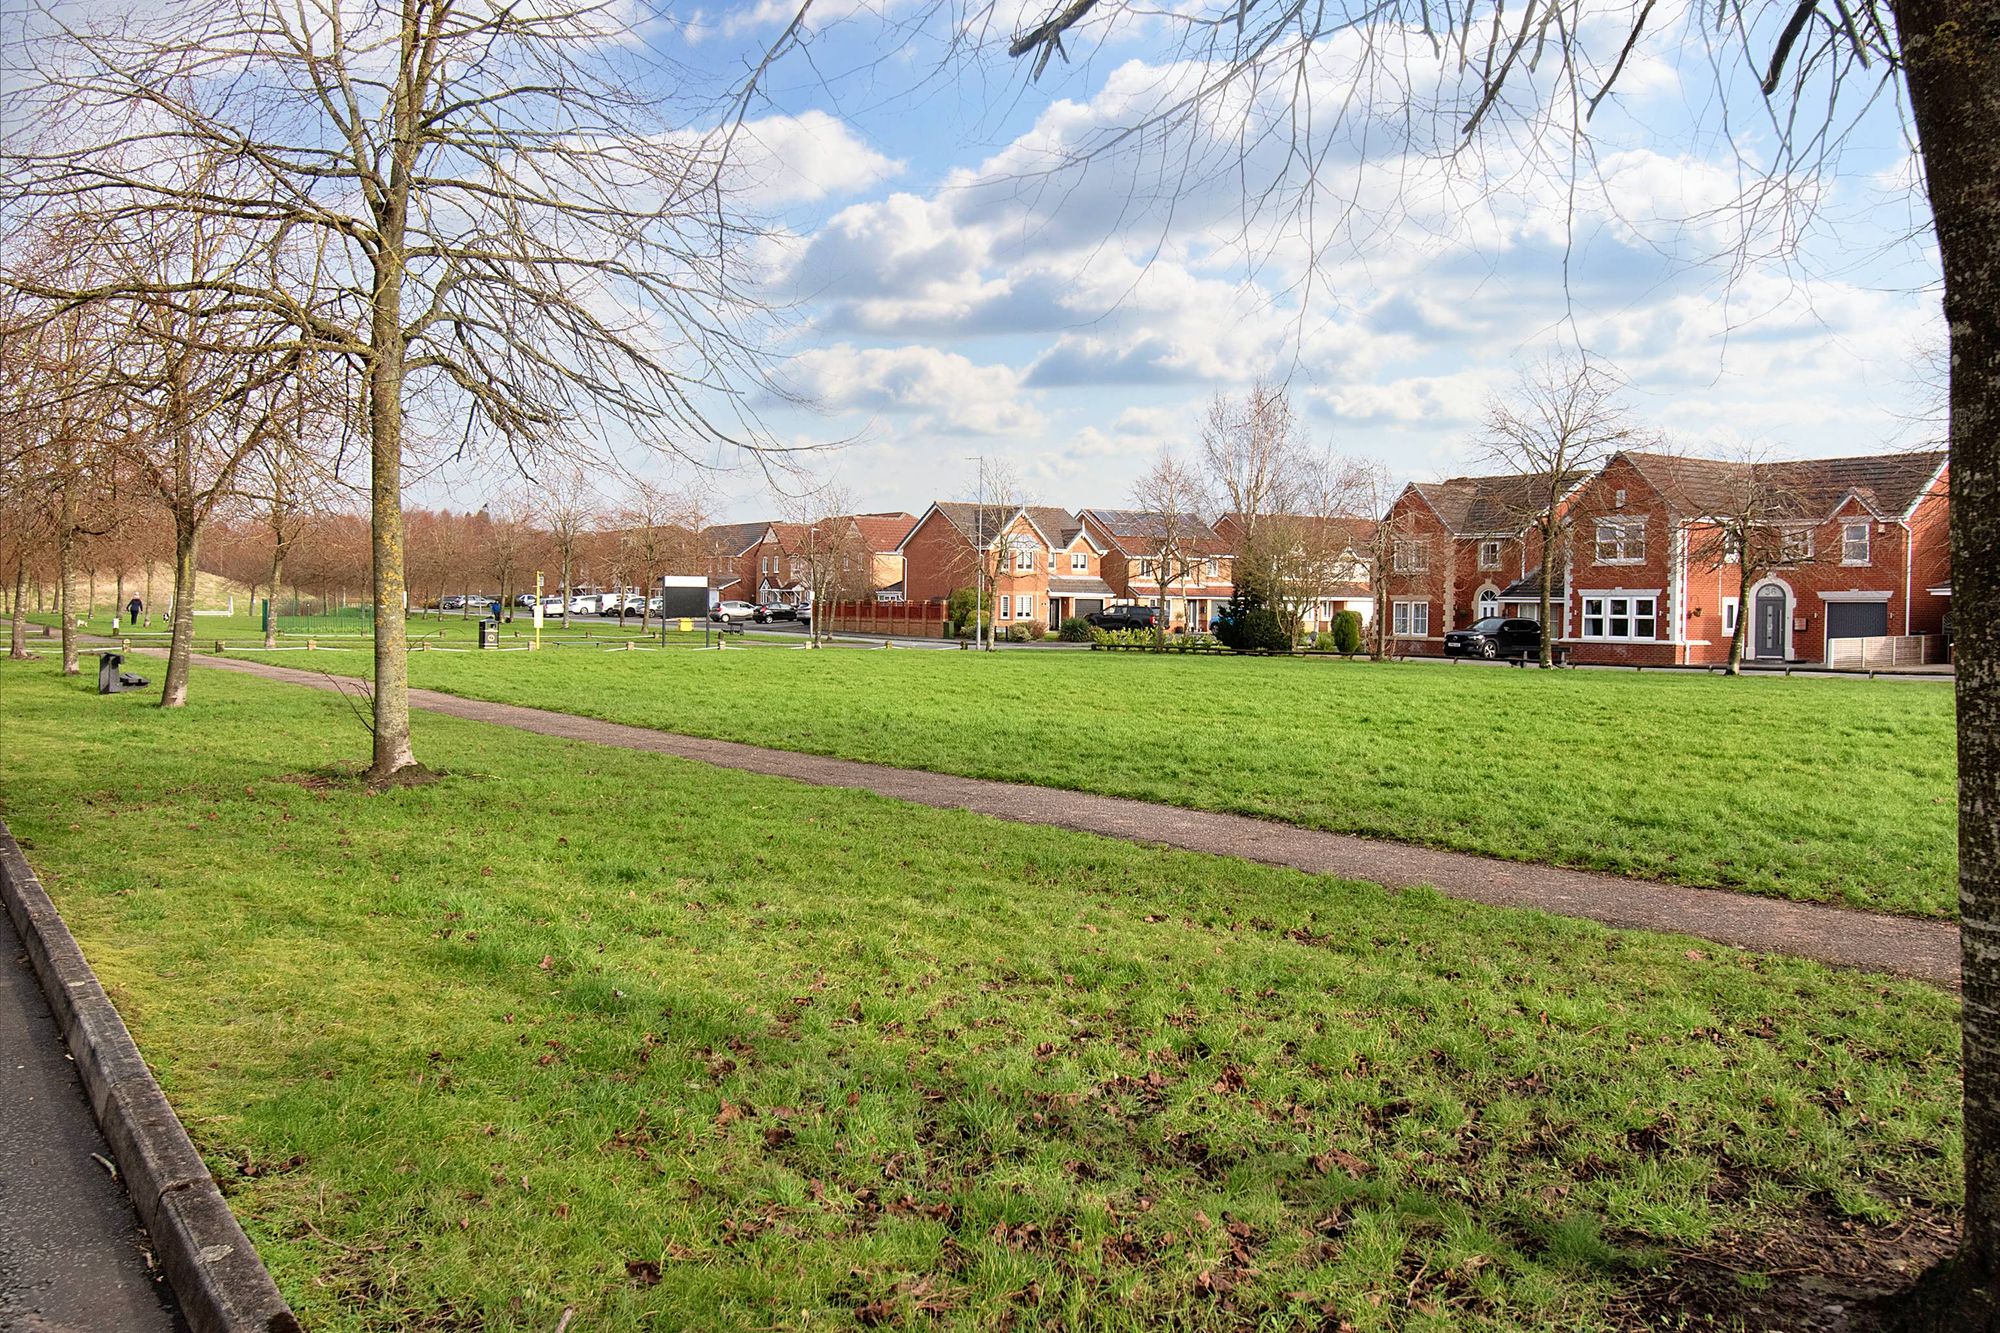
679,1047
1819,790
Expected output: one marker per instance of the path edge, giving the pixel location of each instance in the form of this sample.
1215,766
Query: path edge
214,1270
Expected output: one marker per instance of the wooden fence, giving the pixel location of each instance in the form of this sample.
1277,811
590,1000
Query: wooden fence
1879,653
915,620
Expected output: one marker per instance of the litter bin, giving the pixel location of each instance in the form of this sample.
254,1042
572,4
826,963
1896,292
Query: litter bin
108,665
489,634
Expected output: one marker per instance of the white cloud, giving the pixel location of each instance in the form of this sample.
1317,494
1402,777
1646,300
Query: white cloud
950,392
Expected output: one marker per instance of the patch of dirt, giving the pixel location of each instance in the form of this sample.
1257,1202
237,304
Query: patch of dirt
352,777
1816,1272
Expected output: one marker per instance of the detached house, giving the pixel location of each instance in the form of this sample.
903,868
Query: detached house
1863,553
1036,563
1462,549
1143,552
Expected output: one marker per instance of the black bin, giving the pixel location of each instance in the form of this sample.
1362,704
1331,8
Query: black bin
489,634
108,666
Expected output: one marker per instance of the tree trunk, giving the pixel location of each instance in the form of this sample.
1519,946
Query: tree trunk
148,609
1951,51
66,594
277,573
17,627
392,749
565,589
180,641
1743,581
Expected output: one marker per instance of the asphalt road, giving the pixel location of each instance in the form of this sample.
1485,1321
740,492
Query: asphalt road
72,1253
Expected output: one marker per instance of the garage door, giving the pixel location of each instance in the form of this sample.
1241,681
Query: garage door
1089,606
1856,620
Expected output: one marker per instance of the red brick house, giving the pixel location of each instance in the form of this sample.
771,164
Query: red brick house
1033,563
1872,559
733,557
1133,541
1458,550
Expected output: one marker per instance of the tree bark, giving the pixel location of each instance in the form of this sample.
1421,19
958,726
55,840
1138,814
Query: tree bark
392,750
180,640
17,626
1743,581
66,591
1951,51
277,572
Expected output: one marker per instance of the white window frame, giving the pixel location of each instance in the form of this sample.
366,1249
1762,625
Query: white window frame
1614,616
1410,556
1005,611
1616,535
1731,608
1024,606
1024,560
1484,547
1213,566
1797,545
1410,620
1848,528
1079,563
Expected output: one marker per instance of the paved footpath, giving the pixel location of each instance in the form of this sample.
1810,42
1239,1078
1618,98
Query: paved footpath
1927,950
72,1254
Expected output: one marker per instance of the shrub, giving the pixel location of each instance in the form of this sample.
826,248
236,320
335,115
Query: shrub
959,610
1017,634
1248,624
1075,630
1037,631
1347,633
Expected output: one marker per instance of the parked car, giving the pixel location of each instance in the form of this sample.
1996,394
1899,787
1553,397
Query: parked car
583,604
727,612
526,599
1495,637
1124,617
453,602
630,604
776,611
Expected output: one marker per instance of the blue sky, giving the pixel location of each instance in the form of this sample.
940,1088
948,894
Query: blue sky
961,277
954,292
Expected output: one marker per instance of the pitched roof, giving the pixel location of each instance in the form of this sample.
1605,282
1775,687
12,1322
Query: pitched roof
735,538
1139,525
884,532
979,524
1058,525
1888,484
1354,529
1529,588
1470,505
1066,586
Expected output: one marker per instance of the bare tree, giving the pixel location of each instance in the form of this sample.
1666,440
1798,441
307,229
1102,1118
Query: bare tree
1171,497
484,213
1253,455
996,498
1320,538
1562,422
570,511
824,545
511,540
650,527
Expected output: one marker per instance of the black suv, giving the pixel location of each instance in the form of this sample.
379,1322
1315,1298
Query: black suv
1495,637
1125,617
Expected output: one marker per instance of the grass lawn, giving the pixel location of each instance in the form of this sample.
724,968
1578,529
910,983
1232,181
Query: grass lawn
1828,790
680,1047
347,633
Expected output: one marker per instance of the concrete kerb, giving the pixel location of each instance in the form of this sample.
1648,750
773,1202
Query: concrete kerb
222,1285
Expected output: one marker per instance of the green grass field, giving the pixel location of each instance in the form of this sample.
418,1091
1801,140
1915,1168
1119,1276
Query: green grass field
1828,790
680,1047
352,634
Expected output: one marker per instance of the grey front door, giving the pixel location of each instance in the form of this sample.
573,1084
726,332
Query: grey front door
1771,623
